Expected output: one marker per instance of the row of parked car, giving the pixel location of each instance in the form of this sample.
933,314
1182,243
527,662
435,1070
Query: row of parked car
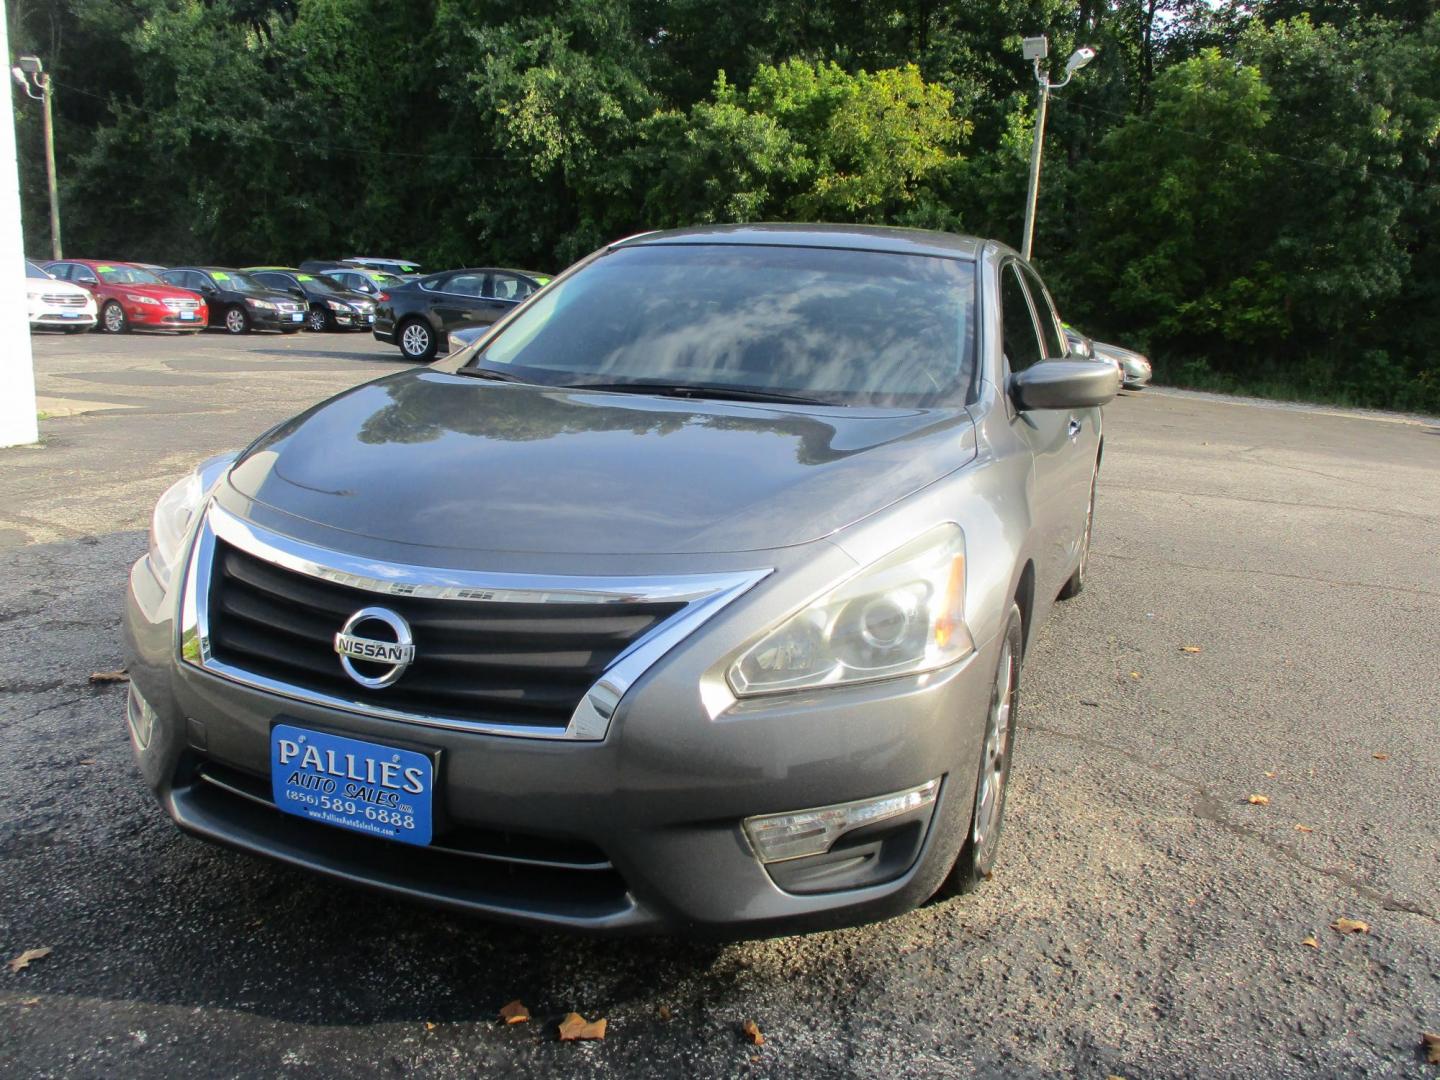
413,311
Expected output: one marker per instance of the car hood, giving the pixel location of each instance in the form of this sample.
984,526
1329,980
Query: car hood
159,292
54,286
451,461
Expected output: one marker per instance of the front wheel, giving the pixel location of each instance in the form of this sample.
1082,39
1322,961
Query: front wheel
976,860
112,318
319,320
417,341
236,321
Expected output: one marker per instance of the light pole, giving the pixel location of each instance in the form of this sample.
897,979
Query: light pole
1036,49
27,69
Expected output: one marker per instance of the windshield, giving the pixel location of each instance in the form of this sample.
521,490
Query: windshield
845,327
384,280
126,275
31,270
320,283
238,281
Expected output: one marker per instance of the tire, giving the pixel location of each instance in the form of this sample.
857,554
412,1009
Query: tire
976,860
418,341
319,320
236,320
1076,584
112,318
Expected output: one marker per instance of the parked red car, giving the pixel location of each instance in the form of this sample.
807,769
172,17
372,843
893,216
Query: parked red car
131,297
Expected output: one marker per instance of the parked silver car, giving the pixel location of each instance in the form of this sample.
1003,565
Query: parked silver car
1134,366
694,595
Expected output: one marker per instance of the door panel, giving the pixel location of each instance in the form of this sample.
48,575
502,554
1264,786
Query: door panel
1046,432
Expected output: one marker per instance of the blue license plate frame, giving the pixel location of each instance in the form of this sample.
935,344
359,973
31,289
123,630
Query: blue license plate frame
375,789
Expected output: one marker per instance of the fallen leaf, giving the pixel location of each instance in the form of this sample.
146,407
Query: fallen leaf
1269,776
1381,757
751,1031
1311,941
1190,648
87,761
1303,828
109,676
21,962
1431,1043
430,1026
1350,926
1134,674
1259,800
575,1026
663,1012
515,1013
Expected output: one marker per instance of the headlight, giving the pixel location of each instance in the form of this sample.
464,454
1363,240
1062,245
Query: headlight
175,511
900,615
265,304
336,305
32,296
136,298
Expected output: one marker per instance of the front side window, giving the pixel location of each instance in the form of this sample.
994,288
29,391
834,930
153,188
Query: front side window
31,270
509,287
837,326
1045,310
1021,337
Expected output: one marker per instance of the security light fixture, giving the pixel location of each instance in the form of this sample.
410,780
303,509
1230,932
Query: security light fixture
1036,49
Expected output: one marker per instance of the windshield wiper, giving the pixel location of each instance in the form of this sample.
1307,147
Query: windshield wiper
707,391
491,373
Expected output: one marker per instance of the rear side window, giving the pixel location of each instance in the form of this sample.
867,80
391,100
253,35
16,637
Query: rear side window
61,271
466,285
1045,311
1021,338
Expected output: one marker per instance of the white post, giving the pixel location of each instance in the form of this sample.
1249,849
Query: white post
17,366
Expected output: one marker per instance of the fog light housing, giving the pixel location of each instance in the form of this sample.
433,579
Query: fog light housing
140,716
780,837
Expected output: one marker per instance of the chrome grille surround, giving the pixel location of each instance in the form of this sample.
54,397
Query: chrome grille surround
703,595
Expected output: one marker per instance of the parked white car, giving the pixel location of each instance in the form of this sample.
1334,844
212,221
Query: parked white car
56,304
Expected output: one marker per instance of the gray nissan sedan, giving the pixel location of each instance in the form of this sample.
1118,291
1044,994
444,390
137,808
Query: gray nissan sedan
694,595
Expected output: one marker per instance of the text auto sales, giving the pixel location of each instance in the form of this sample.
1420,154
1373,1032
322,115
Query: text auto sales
378,782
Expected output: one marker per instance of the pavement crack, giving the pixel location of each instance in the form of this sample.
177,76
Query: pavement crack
1210,807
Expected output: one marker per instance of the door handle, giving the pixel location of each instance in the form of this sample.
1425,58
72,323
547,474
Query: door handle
1074,427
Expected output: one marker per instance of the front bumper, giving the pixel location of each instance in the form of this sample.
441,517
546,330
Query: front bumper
638,831
152,317
261,319
61,318
350,320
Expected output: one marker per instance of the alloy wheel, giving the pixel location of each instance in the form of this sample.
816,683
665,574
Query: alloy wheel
114,318
317,319
415,340
995,762
235,321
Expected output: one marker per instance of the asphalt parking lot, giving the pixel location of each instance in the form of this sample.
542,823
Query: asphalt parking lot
1262,618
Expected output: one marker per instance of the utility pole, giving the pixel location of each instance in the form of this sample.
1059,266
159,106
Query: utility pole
30,69
17,368
1037,49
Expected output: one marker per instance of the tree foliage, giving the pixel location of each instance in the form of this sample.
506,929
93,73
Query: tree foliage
1246,188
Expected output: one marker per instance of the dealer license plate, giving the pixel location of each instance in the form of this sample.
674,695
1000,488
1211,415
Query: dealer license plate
360,786
188,315
298,316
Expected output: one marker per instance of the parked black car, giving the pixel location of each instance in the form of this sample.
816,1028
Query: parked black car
239,302
332,306
419,316
362,279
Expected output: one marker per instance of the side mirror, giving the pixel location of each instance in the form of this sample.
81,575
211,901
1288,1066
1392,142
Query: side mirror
1064,384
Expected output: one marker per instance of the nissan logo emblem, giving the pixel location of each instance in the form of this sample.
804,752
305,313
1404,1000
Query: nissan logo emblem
399,654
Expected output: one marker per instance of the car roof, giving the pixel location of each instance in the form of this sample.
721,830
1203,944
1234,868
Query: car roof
856,237
282,269
96,262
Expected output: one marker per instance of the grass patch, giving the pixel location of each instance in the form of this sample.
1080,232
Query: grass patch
43,415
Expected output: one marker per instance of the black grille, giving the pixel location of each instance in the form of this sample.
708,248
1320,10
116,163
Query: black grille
497,663
465,866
